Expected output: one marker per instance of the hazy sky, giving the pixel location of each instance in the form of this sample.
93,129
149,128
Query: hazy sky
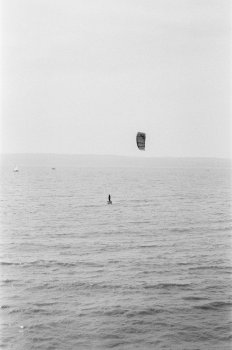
83,76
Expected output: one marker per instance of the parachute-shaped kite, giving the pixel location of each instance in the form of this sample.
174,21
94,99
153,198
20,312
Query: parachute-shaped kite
140,139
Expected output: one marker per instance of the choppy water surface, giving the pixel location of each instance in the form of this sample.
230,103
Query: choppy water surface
151,271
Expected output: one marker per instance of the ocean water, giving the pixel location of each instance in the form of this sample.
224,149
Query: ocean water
151,271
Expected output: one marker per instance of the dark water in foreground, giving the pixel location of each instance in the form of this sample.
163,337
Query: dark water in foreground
152,271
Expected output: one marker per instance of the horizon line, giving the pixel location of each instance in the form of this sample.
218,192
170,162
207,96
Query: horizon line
115,155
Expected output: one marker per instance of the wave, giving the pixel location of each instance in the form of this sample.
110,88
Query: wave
211,267
119,343
194,298
184,263
169,286
45,304
34,310
48,263
222,229
215,305
7,263
222,221
6,281
15,311
180,229
99,286
37,311
52,263
78,285
146,312
115,312
48,285
213,288
140,222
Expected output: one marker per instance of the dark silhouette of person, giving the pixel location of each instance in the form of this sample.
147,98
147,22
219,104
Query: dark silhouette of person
109,198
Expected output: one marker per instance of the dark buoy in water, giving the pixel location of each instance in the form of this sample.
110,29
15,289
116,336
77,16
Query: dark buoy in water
109,199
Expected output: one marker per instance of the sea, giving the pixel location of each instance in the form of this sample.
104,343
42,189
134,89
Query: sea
151,271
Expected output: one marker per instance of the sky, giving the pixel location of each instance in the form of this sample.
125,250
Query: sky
84,76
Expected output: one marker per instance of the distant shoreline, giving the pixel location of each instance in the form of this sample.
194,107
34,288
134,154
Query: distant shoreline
90,160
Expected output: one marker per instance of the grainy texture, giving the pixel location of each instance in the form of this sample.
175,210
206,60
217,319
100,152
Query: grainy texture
151,271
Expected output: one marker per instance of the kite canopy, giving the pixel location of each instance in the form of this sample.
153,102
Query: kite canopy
140,139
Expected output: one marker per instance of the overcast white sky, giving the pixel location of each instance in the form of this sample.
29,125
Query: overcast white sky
83,76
